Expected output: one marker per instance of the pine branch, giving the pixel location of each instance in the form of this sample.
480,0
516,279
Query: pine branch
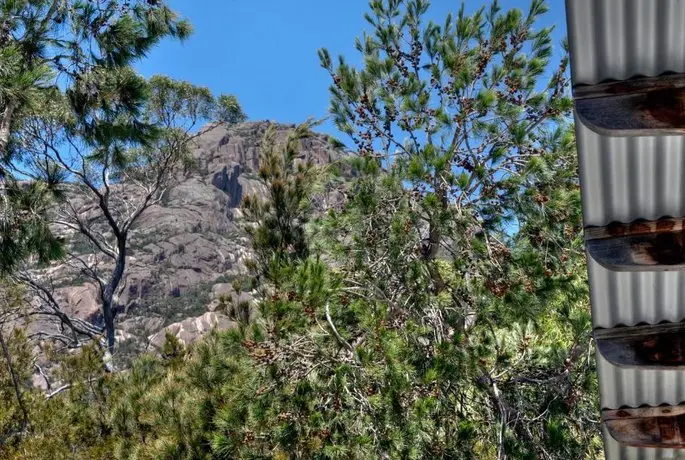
15,381
338,337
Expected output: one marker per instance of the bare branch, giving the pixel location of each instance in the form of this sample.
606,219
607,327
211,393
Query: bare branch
340,339
50,307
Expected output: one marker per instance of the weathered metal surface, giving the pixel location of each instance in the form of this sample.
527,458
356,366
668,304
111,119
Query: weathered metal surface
660,346
621,39
630,386
631,298
639,245
624,179
647,426
638,107
615,450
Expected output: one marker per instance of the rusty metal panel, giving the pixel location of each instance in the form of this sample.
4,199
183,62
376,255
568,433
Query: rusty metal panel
612,449
656,427
620,39
631,178
645,106
658,347
644,245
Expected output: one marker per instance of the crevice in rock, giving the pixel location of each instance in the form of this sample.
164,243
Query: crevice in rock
229,184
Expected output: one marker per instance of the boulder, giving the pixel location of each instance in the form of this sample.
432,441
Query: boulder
81,301
191,329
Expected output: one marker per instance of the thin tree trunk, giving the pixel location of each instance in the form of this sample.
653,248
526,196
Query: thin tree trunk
108,300
109,326
109,331
15,380
5,123
434,231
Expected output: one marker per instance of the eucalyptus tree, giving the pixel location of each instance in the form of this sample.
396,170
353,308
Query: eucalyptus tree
79,123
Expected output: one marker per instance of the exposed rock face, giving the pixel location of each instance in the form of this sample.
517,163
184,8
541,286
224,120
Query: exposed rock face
83,301
190,329
229,184
193,243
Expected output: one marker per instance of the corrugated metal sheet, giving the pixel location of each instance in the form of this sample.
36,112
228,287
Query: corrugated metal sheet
630,298
628,178
612,449
620,387
619,39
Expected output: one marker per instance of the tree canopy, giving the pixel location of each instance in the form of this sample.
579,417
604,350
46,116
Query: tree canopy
439,311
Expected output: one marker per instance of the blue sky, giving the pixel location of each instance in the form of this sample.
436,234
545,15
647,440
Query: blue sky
264,51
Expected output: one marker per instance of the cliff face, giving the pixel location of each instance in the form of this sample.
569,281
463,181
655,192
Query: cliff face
184,253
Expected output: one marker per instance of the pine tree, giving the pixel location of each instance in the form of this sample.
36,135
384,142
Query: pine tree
66,60
439,312
279,220
46,39
450,319
107,134
111,181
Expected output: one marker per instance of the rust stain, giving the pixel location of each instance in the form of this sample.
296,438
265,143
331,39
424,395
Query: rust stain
675,431
644,84
643,227
640,227
650,242
648,427
650,343
665,225
616,229
667,428
649,430
664,349
623,87
634,228
665,105
665,248
681,425
640,85
623,413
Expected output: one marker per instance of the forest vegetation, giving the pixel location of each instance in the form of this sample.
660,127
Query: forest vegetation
439,310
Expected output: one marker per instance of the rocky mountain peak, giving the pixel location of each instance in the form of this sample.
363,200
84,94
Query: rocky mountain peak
194,240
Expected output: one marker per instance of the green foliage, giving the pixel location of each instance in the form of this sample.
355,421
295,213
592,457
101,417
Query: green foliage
173,348
98,90
229,110
11,415
102,129
22,232
190,302
278,222
172,100
441,311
